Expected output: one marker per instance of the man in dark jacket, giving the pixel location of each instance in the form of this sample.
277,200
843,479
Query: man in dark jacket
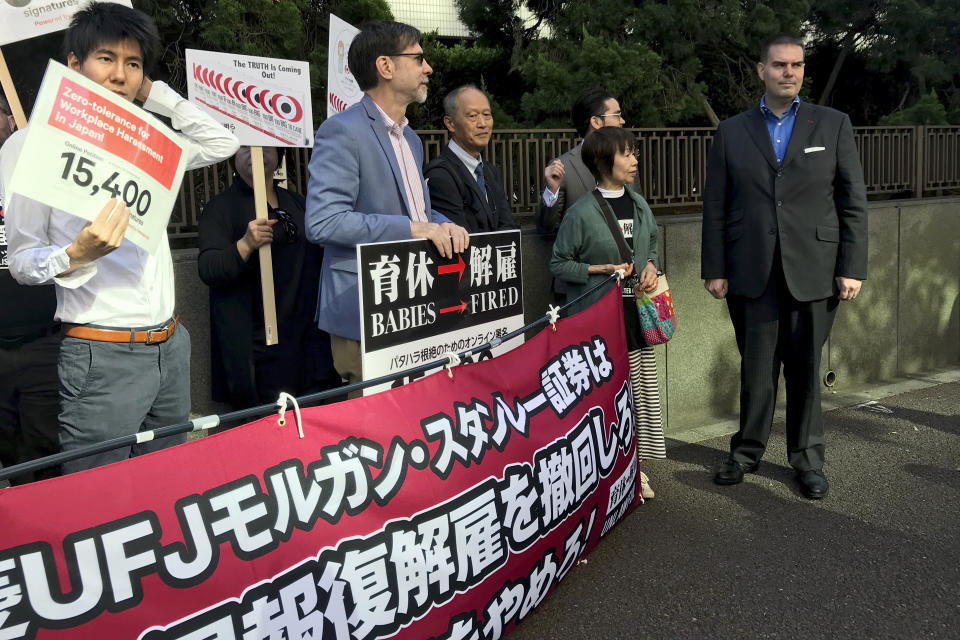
462,186
29,343
784,238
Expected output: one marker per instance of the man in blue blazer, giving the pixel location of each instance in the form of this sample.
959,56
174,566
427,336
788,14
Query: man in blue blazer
366,182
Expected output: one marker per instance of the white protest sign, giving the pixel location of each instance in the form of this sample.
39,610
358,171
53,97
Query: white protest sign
23,19
417,307
85,145
342,89
265,102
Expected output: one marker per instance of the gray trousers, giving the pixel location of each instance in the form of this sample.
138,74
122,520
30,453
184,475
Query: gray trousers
111,389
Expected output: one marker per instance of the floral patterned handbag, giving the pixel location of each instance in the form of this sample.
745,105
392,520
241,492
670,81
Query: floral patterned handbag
658,321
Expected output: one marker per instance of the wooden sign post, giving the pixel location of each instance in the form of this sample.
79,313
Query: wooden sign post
264,102
11,93
270,332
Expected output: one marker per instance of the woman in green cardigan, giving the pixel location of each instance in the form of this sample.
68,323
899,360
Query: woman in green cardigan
585,252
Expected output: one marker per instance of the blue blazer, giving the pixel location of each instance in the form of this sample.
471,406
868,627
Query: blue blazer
355,195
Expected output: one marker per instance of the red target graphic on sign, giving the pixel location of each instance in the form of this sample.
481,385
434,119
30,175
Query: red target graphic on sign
276,104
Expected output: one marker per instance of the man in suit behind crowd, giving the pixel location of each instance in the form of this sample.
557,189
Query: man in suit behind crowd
784,238
462,186
566,177
366,183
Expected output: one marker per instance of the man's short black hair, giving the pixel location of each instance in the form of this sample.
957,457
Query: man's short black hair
601,146
777,39
374,40
103,22
587,104
4,106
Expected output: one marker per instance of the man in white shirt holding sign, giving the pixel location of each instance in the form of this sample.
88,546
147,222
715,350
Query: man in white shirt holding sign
124,363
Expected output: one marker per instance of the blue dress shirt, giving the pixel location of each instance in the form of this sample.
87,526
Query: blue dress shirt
781,128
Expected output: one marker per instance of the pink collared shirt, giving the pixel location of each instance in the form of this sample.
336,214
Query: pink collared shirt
409,169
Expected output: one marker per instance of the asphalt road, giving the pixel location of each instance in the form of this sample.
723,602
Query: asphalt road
879,557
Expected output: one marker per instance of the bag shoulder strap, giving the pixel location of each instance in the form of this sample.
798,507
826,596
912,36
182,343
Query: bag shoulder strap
625,254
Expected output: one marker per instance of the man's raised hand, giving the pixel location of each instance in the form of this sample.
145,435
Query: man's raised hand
553,175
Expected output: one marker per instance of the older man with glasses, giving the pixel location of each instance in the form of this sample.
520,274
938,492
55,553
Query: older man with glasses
366,183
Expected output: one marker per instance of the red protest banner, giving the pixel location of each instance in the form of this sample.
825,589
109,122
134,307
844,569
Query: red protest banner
80,112
447,508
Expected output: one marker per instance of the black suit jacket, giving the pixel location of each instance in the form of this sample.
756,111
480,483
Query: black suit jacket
814,204
454,192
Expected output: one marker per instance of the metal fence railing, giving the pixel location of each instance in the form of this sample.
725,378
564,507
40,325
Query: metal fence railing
915,162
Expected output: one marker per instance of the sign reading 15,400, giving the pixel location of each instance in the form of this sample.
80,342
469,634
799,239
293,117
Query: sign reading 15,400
81,170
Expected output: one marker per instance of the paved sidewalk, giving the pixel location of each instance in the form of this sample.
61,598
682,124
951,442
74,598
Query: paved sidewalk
879,557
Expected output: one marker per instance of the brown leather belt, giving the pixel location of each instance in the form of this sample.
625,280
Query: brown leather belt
146,336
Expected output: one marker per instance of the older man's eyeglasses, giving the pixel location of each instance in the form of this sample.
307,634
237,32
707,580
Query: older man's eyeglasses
417,57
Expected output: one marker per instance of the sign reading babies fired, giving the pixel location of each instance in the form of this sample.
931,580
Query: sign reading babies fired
265,102
342,89
23,19
86,144
416,306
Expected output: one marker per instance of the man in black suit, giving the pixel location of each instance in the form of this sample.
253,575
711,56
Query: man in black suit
462,186
784,238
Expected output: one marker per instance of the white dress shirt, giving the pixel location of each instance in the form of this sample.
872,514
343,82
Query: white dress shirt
128,287
468,160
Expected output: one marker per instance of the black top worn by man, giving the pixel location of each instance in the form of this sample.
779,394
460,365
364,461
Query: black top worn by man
784,238
462,186
29,344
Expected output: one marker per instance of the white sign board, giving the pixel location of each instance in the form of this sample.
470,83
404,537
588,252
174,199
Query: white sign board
265,102
23,19
416,307
86,144
342,89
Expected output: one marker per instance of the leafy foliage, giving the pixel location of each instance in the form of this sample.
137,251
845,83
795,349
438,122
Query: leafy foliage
671,62
926,110
290,29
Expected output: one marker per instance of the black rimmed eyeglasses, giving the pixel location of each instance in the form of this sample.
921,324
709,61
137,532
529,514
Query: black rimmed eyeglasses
418,57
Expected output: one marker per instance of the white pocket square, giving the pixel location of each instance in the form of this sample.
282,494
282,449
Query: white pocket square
812,149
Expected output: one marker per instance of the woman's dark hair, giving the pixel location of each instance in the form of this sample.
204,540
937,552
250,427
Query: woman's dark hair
588,103
601,146
374,40
105,22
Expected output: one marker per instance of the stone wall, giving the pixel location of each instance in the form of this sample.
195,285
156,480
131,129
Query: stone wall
904,322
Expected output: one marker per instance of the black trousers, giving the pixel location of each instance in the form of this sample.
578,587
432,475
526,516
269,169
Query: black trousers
771,330
29,404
